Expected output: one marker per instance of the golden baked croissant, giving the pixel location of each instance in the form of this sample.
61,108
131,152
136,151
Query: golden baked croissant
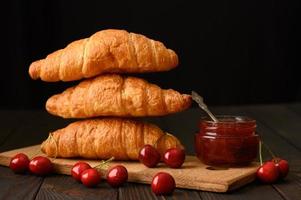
113,51
106,138
115,95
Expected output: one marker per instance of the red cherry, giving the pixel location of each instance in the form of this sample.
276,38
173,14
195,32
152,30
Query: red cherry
268,172
78,168
282,166
90,177
163,183
174,157
19,163
149,156
117,175
40,165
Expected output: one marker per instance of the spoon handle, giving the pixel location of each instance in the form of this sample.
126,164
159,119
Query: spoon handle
197,98
211,115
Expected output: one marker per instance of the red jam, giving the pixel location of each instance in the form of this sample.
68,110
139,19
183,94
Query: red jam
230,141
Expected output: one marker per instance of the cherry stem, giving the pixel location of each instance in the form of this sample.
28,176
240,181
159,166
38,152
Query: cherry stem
170,135
34,155
260,152
269,150
50,137
166,134
55,144
103,163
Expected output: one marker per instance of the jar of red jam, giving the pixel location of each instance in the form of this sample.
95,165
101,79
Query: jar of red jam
229,142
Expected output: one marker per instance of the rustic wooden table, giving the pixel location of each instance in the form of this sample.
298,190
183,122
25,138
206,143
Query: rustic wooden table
278,125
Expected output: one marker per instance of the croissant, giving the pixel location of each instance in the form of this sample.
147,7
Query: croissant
115,95
113,51
106,138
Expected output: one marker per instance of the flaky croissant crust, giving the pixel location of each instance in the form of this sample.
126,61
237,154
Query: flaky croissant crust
106,138
115,95
107,51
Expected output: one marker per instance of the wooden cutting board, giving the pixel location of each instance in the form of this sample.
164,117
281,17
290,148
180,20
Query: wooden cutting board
192,175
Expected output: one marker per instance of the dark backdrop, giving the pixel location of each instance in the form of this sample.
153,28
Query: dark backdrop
230,52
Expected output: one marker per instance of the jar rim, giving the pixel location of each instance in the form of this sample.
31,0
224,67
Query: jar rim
229,119
230,136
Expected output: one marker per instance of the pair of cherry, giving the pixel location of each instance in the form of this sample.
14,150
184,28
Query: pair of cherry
150,157
39,165
91,177
272,170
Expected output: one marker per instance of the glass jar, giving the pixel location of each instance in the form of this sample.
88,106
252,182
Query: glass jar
230,141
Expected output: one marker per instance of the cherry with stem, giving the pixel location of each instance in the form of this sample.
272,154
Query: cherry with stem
272,170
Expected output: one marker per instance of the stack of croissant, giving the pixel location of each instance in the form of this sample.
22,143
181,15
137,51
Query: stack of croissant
107,99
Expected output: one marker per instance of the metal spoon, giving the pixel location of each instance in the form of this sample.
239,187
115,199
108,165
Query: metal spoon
197,98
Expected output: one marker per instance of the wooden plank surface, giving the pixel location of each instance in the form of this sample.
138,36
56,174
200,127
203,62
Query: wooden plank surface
192,175
279,118
136,191
251,192
65,187
140,191
8,120
14,186
183,125
294,107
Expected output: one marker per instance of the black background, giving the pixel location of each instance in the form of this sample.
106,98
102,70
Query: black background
242,52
